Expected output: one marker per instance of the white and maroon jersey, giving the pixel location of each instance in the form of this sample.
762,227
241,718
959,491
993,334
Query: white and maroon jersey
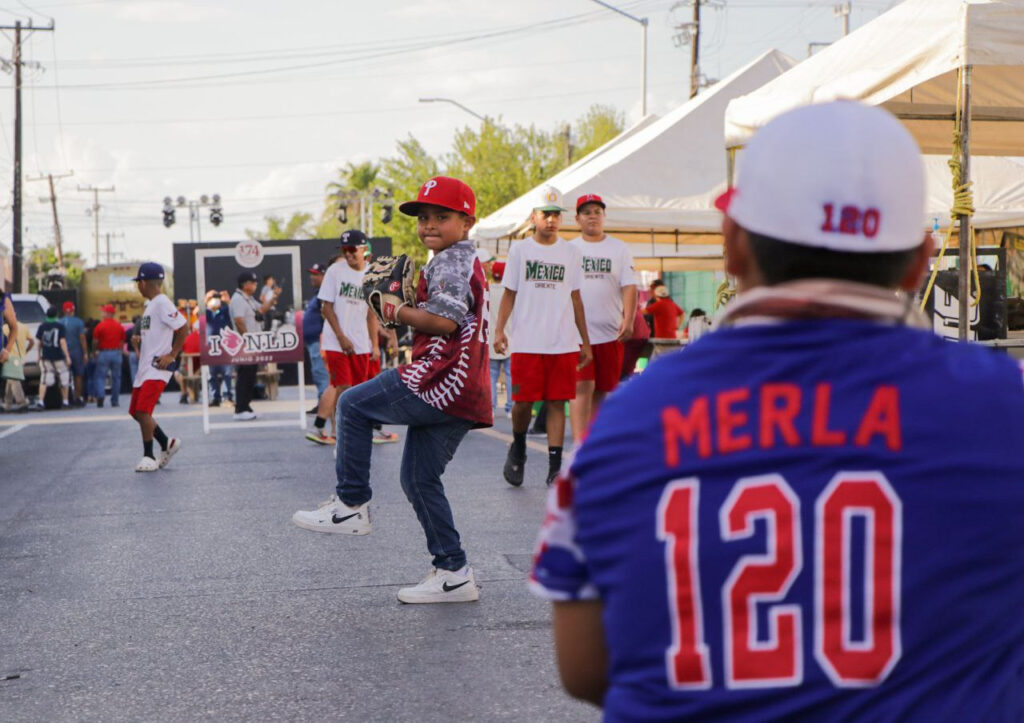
343,287
452,373
543,278
159,322
607,268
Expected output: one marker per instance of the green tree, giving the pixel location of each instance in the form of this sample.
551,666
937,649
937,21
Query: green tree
404,173
298,226
598,125
43,261
502,164
354,180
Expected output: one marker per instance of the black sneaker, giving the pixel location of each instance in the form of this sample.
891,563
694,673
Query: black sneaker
215,403
314,410
515,465
552,475
99,404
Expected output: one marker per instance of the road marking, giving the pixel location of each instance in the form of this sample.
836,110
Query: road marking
12,430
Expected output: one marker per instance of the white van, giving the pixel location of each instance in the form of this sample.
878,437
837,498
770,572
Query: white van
31,311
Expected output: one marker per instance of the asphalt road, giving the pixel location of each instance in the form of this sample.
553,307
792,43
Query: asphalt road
188,594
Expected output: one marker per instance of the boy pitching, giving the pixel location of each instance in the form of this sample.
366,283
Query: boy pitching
542,286
441,395
163,331
349,338
609,297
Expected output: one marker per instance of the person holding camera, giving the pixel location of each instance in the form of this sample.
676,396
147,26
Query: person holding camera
247,313
218,317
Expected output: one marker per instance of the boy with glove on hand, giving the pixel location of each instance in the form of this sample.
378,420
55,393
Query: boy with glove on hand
442,394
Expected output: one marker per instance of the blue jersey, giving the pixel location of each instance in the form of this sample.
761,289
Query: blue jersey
805,520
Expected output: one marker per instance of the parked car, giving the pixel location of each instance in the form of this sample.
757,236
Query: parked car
31,311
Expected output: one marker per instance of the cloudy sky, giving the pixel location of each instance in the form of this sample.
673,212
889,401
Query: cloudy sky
262,100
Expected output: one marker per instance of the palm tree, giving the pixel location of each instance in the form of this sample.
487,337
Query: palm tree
354,179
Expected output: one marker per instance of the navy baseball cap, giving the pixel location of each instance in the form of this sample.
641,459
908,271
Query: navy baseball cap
149,270
247,276
317,269
353,237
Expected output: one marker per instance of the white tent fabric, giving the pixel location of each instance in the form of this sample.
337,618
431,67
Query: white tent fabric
998,191
906,61
662,176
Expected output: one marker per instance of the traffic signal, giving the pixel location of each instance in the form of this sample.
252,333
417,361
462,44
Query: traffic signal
387,212
168,217
216,215
343,212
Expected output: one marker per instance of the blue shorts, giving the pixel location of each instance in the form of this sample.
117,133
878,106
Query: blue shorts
77,363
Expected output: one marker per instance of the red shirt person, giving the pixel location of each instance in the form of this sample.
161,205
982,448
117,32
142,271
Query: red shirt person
107,340
665,312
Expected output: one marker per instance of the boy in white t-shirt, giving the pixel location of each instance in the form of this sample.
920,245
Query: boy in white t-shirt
349,337
609,297
163,331
542,288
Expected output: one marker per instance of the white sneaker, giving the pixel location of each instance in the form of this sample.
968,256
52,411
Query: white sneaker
244,416
443,586
147,464
336,517
173,445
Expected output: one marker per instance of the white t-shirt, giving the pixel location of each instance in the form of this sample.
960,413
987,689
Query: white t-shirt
607,267
543,278
343,287
495,291
159,322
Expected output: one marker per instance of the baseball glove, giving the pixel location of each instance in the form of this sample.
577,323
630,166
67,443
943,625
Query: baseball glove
388,286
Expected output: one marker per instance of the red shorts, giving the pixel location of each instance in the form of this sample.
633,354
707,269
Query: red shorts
373,368
144,398
346,370
544,377
606,368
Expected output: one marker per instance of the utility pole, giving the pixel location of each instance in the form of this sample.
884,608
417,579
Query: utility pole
15,65
695,51
57,239
689,32
108,234
96,215
842,10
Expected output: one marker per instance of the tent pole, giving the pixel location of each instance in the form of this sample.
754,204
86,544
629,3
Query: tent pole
964,276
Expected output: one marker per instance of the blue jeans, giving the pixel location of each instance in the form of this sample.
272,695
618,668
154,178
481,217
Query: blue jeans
430,443
108,360
317,368
219,373
133,364
496,365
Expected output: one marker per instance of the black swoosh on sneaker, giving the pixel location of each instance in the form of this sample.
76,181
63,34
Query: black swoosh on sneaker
338,520
448,588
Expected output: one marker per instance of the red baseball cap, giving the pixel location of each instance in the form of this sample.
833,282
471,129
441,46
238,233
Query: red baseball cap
109,309
69,305
450,193
589,198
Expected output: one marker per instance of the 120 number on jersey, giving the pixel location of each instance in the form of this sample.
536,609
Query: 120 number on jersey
774,657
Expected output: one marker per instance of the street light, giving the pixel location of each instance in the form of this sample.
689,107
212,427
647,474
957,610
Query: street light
457,104
643,51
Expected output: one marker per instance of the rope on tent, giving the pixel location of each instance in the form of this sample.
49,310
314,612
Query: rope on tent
963,201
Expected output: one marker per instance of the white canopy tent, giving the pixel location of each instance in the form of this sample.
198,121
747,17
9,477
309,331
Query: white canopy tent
661,178
998,192
906,61
916,61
